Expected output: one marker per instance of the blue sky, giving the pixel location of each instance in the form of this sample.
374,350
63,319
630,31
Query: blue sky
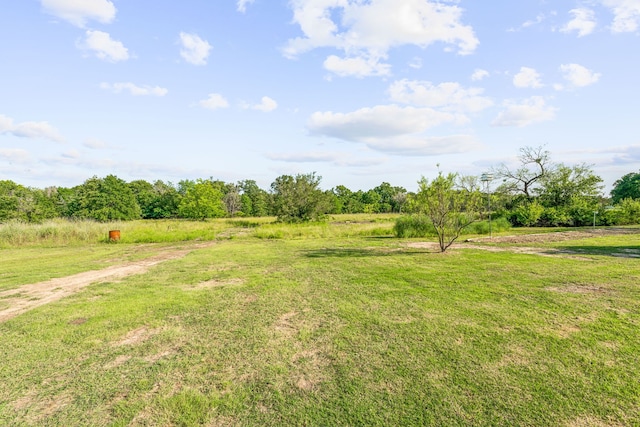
360,91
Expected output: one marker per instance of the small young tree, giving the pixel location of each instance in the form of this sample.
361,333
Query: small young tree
448,207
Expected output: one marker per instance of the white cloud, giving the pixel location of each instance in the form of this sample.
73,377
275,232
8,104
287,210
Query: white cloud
391,128
242,5
78,12
194,49
527,77
447,96
479,74
134,89
338,159
532,22
583,22
410,145
539,19
378,122
104,47
32,130
266,105
215,101
16,155
71,154
95,144
626,15
579,76
530,111
358,66
368,30
416,63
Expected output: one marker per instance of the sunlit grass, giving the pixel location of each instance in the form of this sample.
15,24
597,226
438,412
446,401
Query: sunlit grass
334,331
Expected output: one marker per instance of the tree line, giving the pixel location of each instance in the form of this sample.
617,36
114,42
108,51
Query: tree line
538,192
290,198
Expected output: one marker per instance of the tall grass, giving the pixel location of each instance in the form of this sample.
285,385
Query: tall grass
54,232
61,232
420,226
483,227
350,225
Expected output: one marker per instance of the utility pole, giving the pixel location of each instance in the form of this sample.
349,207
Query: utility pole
487,178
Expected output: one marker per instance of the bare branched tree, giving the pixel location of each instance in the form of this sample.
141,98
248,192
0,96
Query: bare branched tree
534,164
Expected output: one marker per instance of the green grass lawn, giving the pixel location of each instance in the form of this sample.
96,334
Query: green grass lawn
343,329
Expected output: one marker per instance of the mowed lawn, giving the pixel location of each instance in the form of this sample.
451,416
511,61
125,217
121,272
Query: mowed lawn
334,331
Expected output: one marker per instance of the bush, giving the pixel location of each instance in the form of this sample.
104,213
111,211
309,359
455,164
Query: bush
413,226
482,227
629,211
527,214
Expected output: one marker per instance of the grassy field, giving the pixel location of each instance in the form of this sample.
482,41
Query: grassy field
325,324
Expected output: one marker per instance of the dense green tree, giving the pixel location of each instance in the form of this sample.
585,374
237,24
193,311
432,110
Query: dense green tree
9,199
299,198
347,201
105,199
564,183
627,187
145,195
527,213
255,200
166,201
341,198
448,207
628,211
202,200
25,204
388,197
569,195
371,201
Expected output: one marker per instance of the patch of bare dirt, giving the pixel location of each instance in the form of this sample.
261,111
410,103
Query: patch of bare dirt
136,336
118,361
589,421
537,238
559,236
28,297
216,283
284,324
577,289
40,408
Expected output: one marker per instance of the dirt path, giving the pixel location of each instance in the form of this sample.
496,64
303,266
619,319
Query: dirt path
538,238
28,297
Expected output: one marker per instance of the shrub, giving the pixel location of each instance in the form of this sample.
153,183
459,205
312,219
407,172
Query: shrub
482,227
413,226
629,211
527,214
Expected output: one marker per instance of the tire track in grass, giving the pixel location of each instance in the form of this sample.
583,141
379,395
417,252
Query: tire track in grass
27,297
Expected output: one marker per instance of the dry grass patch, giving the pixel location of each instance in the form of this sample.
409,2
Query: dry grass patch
136,336
217,283
590,421
38,408
580,289
118,361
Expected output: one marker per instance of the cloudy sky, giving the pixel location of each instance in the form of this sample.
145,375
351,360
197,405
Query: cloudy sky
360,91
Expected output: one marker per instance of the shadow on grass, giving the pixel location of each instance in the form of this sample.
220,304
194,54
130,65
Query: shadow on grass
614,251
361,253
